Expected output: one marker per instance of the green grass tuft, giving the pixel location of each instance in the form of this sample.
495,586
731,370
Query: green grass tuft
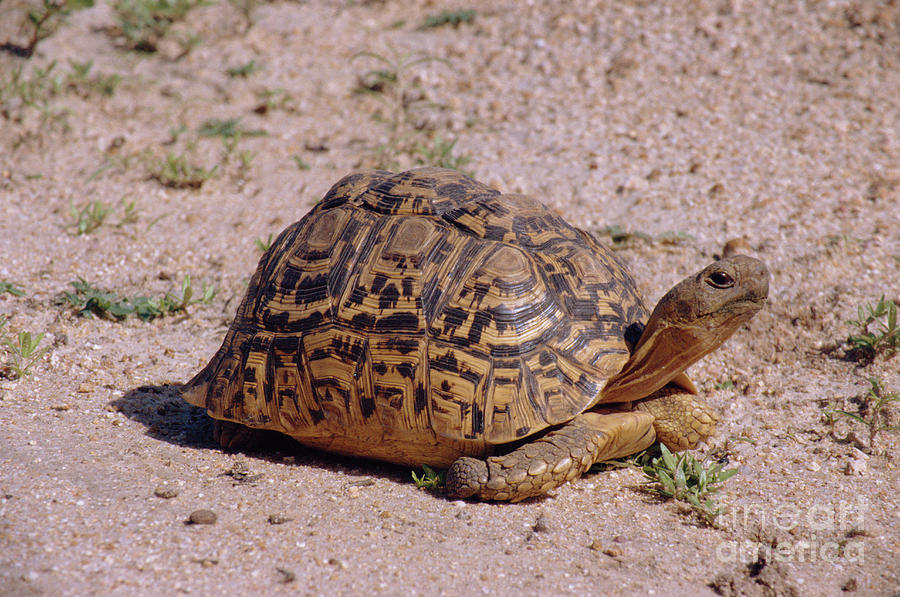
177,172
440,153
42,22
88,300
263,245
430,479
21,351
90,217
454,18
876,330
144,23
243,71
11,288
80,81
301,165
215,127
686,479
875,410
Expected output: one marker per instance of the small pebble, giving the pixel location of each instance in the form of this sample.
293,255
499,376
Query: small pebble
165,492
240,472
338,563
278,519
614,551
856,467
285,576
859,441
203,517
542,524
737,246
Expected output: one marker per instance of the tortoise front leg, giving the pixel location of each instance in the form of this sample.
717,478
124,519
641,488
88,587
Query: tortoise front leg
681,419
562,455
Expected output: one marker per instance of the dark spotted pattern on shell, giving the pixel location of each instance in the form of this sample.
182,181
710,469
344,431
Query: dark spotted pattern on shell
418,316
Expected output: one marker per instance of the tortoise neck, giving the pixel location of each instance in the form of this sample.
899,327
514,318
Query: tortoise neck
661,355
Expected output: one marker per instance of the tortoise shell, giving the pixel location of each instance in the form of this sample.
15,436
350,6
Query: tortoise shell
420,316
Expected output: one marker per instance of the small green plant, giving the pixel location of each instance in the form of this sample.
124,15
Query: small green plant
144,23
230,128
129,212
430,479
36,90
177,172
175,134
876,330
674,237
301,165
449,17
377,80
43,21
245,157
88,300
686,479
440,153
21,349
243,71
82,82
621,238
724,385
88,218
33,91
246,8
402,99
263,245
92,216
391,75
875,410
9,287
187,41
638,460
80,70
275,99
231,135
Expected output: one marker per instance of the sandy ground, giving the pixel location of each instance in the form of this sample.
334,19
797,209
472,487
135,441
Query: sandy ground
687,124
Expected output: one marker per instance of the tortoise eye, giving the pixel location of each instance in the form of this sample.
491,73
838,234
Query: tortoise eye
720,280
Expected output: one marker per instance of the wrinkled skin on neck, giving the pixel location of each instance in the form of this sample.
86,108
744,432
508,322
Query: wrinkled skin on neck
689,322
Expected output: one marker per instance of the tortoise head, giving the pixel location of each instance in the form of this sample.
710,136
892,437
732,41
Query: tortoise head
689,322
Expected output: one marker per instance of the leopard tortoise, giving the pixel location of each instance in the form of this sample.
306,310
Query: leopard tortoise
424,318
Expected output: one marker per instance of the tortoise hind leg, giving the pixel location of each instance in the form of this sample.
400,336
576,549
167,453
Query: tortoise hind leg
559,456
234,436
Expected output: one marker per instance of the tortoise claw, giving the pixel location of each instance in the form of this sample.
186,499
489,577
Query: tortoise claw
466,477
